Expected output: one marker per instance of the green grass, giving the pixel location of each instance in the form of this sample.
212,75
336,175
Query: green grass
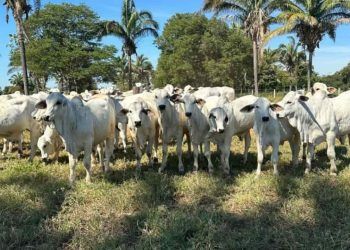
38,209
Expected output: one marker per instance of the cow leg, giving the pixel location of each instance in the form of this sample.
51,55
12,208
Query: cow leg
225,152
108,152
122,134
208,156
165,155
20,146
304,151
295,148
10,147
195,157
247,141
34,136
310,156
72,165
261,151
138,153
201,148
87,163
331,152
149,148
349,138
179,152
274,157
4,148
156,144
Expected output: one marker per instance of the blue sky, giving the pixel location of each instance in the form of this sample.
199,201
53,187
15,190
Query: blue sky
330,57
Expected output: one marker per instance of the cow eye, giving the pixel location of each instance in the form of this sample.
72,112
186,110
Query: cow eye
317,89
44,146
289,102
256,107
156,97
226,119
168,96
58,103
212,116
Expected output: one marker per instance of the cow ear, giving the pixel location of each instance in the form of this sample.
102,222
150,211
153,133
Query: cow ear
146,111
124,111
192,90
41,105
247,108
175,98
200,102
331,90
303,98
276,107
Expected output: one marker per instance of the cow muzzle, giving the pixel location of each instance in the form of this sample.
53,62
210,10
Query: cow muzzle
221,130
265,119
161,107
188,114
138,124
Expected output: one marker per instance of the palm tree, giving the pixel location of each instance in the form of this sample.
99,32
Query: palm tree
254,16
311,20
16,82
20,9
142,68
134,25
290,56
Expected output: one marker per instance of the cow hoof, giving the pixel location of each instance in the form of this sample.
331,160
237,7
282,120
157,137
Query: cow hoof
275,173
307,171
333,174
160,170
181,171
155,160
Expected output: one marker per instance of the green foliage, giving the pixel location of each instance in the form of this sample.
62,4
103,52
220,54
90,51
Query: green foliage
133,26
202,52
340,79
64,45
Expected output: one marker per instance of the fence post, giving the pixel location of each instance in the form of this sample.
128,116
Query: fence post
274,93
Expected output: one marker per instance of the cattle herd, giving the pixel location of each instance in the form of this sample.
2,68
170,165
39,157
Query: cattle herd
93,122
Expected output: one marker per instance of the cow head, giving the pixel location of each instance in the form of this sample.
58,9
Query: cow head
292,105
163,99
263,109
190,102
46,148
319,86
218,120
54,105
137,113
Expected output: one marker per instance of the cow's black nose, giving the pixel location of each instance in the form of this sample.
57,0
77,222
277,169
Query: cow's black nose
278,115
138,124
161,107
46,118
221,131
265,119
188,114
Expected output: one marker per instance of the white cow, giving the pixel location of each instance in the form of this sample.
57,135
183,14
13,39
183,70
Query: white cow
15,117
315,120
205,92
173,124
342,111
272,131
50,143
142,117
225,120
81,127
198,124
121,122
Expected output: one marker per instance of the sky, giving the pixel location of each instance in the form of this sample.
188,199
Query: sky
329,58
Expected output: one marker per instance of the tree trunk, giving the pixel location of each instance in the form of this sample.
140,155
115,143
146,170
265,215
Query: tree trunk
309,71
23,55
255,61
129,73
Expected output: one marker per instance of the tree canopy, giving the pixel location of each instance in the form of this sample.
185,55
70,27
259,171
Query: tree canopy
64,45
203,52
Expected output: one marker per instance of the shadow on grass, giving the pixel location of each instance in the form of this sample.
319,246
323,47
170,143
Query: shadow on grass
27,199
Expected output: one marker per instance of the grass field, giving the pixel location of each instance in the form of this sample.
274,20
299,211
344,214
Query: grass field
38,209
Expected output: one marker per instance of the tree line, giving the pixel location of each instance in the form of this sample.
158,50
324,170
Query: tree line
63,42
